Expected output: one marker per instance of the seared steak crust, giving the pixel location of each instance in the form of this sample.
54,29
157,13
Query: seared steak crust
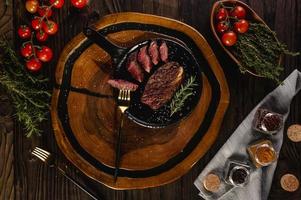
162,84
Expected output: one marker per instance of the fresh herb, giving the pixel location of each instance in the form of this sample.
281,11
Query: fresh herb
181,95
27,91
259,51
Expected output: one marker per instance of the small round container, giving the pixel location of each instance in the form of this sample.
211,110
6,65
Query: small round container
265,154
239,176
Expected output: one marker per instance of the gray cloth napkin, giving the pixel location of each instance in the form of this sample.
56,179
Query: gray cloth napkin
260,179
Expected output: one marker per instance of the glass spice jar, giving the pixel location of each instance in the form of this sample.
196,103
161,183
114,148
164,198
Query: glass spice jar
262,153
267,122
237,173
265,154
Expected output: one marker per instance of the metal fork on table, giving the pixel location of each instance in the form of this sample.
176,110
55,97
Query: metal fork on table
124,98
47,158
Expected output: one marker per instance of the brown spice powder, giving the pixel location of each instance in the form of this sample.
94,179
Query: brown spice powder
265,155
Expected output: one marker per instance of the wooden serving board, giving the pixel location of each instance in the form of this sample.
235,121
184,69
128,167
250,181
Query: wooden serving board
85,114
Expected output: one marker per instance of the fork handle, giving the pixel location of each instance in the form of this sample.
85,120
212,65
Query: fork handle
76,183
118,148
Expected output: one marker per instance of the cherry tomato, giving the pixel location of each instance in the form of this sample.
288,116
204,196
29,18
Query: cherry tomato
36,23
45,11
221,27
222,14
41,36
239,12
32,6
26,50
50,27
79,3
33,64
57,3
241,26
229,38
24,32
45,54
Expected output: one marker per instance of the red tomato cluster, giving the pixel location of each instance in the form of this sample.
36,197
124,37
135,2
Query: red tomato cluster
41,28
230,22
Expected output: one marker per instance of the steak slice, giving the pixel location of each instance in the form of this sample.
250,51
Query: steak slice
163,52
122,84
153,51
144,59
162,84
134,68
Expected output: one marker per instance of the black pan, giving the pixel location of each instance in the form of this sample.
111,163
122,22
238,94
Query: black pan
139,112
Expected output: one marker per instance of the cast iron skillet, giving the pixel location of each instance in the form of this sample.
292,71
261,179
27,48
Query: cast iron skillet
139,112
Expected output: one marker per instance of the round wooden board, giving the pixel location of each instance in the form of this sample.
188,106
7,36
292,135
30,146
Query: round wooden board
84,113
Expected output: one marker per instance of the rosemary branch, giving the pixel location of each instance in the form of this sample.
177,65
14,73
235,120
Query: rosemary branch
28,92
259,51
181,95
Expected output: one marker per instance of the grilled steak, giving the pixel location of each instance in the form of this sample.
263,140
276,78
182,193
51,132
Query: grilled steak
122,84
134,68
163,52
153,51
162,84
144,59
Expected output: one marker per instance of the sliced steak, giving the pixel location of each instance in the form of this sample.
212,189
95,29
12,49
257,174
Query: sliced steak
144,59
134,68
153,51
122,84
163,52
162,84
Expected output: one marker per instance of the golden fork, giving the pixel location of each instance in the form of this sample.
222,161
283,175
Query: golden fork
47,158
124,98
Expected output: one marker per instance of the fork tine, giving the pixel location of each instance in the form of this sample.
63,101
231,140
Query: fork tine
38,156
45,156
119,95
41,154
46,152
123,95
129,95
39,151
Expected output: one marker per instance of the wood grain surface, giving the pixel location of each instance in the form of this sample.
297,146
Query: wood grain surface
33,180
6,120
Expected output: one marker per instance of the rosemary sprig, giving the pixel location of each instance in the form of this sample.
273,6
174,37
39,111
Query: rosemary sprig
28,92
259,51
181,95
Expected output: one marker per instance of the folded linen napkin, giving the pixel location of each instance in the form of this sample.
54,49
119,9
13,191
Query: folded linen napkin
260,179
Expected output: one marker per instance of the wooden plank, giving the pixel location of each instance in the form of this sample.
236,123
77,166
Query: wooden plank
6,150
6,122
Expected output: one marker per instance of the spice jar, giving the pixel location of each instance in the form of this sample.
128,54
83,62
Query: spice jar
237,173
262,153
267,122
265,154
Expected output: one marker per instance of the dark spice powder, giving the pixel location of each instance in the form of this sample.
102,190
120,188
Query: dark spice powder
239,176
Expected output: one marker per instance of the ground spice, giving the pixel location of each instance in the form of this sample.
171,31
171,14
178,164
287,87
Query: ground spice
267,121
239,176
265,155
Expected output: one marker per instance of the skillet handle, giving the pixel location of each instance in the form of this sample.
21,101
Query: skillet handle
116,52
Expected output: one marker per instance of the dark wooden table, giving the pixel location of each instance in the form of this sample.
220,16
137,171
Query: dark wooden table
22,177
